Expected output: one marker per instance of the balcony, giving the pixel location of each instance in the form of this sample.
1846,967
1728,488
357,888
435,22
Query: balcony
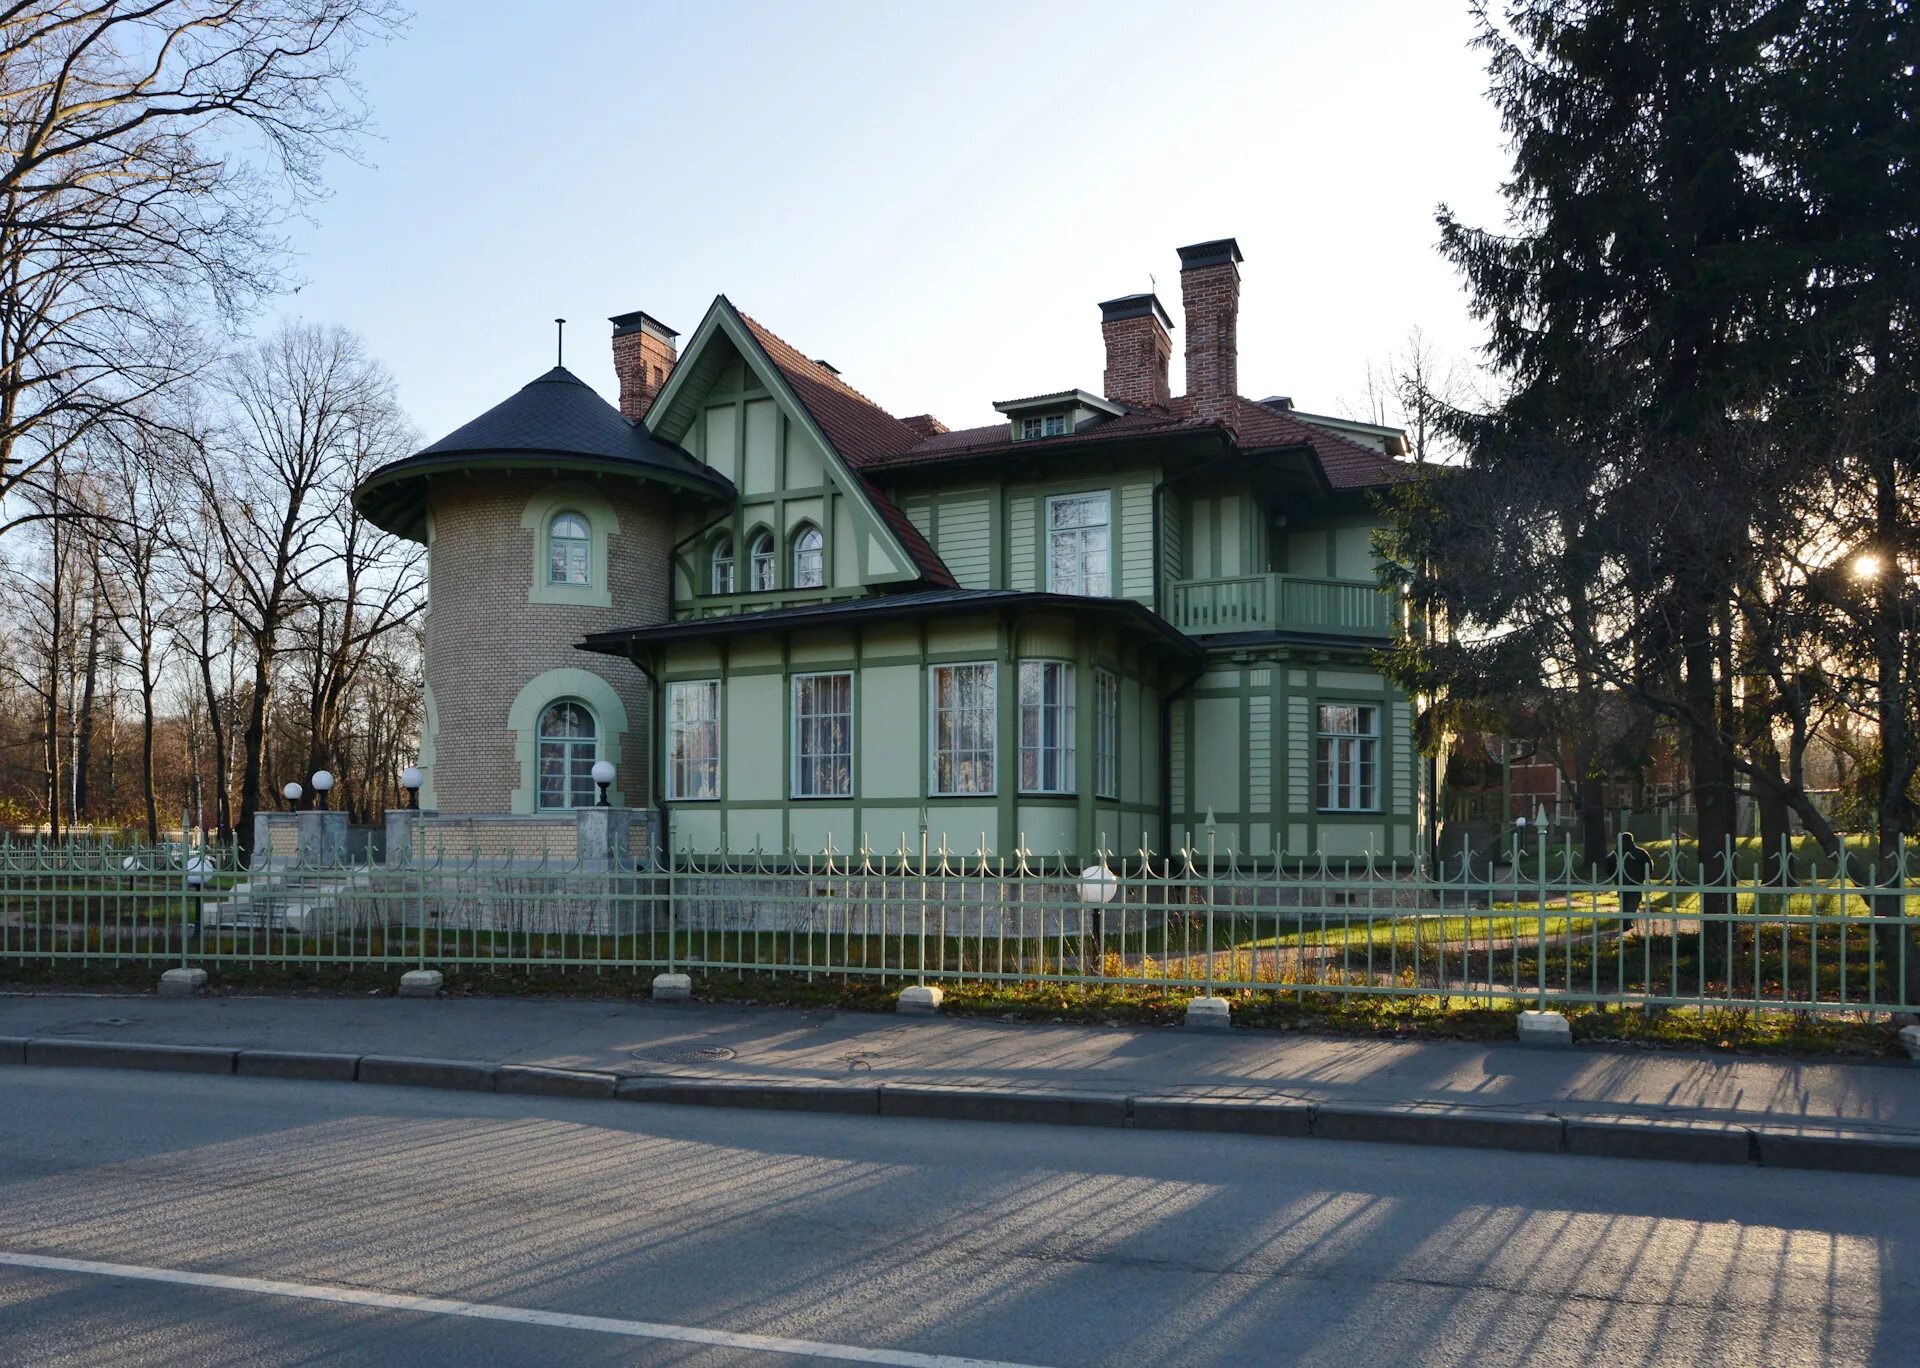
1280,603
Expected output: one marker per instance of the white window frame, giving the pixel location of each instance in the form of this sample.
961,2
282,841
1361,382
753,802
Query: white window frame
1044,425
1047,767
943,724
720,567
577,570
797,725
763,559
1346,773
688,710
578,789
1089,565
1106,734
815,555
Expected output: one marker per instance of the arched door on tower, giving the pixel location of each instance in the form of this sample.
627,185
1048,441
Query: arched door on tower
569,741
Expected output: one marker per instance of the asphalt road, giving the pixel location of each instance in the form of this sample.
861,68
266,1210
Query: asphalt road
147,1219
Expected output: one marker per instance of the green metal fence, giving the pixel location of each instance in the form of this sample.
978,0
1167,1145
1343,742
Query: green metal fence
1533,927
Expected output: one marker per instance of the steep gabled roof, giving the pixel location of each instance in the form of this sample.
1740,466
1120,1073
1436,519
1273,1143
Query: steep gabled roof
859,430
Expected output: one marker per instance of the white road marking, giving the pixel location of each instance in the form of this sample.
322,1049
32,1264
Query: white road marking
518,1315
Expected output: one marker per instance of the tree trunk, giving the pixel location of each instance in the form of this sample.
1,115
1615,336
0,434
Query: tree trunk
253,741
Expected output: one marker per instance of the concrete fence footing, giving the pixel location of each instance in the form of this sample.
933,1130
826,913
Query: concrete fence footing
1545,1030
672,987
920,1000
183,982
1209,1014
421,983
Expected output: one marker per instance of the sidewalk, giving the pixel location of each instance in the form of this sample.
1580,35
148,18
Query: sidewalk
1634,1103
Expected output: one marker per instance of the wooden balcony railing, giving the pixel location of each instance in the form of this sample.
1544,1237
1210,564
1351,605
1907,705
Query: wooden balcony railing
1283,603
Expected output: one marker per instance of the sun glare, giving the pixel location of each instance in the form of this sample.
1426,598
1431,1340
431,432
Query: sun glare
1866,565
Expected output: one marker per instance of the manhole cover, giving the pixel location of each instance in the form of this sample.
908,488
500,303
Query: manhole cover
691,1054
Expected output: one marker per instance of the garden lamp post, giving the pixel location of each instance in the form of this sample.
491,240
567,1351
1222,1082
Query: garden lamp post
292,794
322,785
603,776
410,779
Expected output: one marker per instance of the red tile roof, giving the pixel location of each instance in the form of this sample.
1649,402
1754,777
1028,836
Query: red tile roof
871,439
859,430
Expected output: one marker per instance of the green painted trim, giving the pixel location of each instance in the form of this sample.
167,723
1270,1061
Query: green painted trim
723,319
571,497
523,720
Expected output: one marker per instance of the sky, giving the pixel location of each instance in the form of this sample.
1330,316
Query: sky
933,197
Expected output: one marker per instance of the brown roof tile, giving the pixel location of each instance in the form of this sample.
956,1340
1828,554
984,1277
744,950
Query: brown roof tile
859,430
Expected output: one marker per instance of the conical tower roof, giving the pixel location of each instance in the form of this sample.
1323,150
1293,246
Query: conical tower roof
555,422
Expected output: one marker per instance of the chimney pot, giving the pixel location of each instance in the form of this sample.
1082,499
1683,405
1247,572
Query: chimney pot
1210,296
1134,328
644,350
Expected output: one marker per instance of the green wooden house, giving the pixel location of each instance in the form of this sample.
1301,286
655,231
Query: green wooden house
1107,621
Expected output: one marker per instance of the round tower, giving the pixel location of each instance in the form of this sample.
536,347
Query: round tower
548,517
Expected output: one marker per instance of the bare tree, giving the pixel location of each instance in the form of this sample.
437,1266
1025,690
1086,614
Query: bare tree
149,153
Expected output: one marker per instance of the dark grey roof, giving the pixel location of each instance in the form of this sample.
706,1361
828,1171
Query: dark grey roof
560,412
885,607
556,419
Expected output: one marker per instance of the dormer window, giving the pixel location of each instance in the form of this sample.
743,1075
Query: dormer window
1059,414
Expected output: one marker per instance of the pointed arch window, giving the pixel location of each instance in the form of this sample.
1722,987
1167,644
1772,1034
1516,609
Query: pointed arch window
569,549
809,559
760,561
569,741
721,578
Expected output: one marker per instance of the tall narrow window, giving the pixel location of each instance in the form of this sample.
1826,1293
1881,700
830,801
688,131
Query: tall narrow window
1106,734
568,745
569,549
721,581
1079,552
1046,726
823,736
760,562
1348,772
963,729
693,739
809,559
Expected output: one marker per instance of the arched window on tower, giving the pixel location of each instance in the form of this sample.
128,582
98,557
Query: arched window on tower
569,549
721,580
760,561
569,744
809,559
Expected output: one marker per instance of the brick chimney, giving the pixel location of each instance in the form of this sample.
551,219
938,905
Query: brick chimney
1134,328
644,349
1210,293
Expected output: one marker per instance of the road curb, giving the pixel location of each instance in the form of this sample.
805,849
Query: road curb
121,1054
1429,1126
321,1068
846,1099
1597,1136
465,1075
993,1104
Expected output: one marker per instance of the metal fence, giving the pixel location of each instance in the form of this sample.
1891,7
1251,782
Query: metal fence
1532,928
